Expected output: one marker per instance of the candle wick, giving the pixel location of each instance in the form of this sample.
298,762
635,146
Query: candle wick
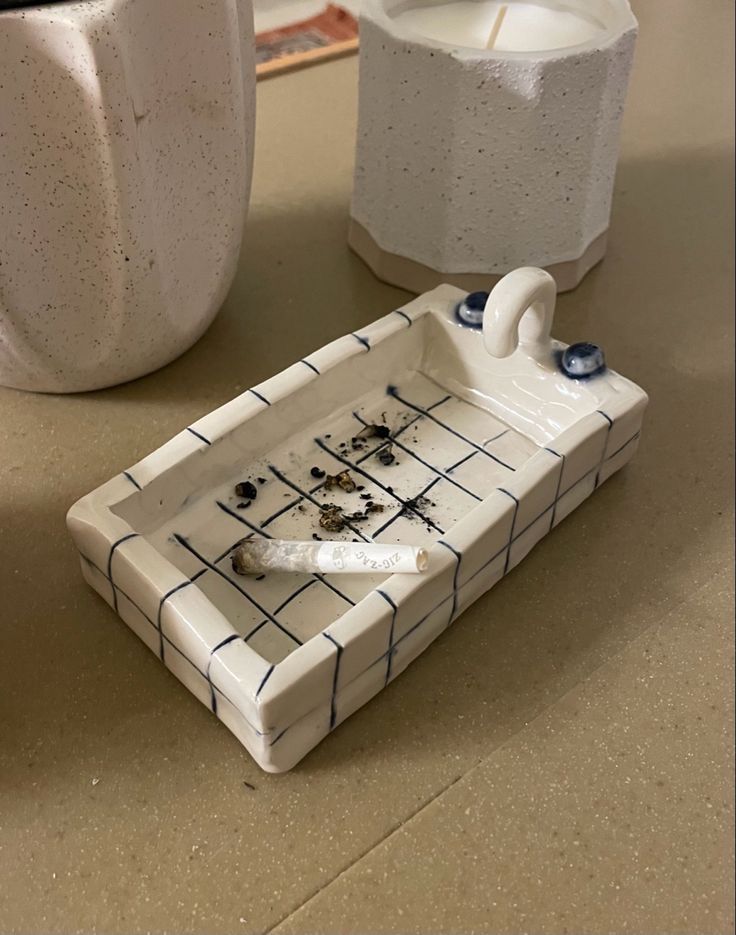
496,28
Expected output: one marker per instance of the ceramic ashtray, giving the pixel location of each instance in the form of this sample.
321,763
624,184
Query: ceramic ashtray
454,424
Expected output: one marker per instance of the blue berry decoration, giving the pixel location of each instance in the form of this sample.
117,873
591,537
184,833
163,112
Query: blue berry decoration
582,360
470,311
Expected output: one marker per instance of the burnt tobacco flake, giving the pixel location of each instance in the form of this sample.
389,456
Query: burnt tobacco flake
247,490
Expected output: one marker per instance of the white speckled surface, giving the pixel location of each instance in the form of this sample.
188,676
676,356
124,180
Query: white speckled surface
475,162
125,165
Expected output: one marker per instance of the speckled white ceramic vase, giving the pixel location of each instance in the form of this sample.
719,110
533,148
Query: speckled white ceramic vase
125,165
470,163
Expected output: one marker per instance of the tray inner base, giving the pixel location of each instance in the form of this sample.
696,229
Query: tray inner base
447,456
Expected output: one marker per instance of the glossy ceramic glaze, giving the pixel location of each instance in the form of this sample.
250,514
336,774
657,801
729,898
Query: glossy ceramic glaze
125,165
488,455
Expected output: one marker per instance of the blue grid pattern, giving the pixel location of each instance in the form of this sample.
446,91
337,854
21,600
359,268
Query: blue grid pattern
412,454
303,494
425,412
405,506
214,690
355,466
308,495
513,537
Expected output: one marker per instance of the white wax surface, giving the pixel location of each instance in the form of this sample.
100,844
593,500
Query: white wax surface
526,27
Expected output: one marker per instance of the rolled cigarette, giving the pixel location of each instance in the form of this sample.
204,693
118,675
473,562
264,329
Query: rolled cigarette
256,556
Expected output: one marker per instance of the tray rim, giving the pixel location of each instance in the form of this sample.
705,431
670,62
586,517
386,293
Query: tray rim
262,693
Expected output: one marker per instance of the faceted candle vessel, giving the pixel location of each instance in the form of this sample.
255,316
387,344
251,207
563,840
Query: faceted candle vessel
471,162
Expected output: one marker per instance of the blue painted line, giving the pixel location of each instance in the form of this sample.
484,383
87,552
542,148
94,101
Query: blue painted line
363,341
295,594
259,396
389,522
280,512
278,737
265,678
424,619
474,453
625,445
256,628
390,652
513,524
401,431
266,535
182,541
170,642
198,435
393,392
213,696
439,402
397,311
285,480
241,519
605,444
461,461
459,558
399,513
372,479
442,474
489,441
307,364
113,547
559,481
132,479
333,707
159,622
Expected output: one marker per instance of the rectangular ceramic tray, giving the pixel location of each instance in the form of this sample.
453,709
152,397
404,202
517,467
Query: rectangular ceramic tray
490,454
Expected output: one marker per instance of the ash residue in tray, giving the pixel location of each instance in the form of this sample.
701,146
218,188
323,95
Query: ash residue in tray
343,480
334,518
358,442
374,431
331,518
386,455
418,504
246,489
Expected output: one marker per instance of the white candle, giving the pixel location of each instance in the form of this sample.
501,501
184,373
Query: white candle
521,27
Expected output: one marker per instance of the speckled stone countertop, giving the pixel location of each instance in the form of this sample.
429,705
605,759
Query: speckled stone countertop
559,761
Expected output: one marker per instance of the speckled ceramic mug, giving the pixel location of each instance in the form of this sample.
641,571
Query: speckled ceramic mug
125,162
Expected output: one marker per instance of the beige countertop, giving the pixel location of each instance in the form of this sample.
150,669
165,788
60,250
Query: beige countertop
559,760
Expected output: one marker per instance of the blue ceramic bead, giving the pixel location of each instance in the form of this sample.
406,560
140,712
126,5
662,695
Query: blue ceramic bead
582,360
470,311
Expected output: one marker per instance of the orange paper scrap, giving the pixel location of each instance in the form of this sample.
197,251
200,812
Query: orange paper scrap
331,33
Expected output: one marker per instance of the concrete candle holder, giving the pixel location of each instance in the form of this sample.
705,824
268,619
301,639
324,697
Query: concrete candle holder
471,161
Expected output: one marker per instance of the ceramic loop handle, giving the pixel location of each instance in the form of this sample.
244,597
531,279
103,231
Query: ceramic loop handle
519,310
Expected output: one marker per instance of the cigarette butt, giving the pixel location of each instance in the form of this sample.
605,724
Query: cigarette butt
256,556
